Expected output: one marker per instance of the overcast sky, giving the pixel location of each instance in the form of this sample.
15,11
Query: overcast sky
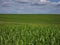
30,6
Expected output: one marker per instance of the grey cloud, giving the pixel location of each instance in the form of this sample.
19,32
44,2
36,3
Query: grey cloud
26,6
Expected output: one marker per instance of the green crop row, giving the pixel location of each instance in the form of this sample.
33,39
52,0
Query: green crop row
29,34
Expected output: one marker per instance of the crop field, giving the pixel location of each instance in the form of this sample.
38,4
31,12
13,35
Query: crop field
29,29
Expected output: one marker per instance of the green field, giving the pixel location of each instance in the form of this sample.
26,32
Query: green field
29,29
31,18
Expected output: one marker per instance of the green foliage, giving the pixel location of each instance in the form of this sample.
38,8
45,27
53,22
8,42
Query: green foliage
29,34
29,29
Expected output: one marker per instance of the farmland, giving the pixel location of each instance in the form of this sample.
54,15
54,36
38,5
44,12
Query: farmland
29,29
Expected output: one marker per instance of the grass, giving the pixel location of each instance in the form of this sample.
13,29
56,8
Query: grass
29,29
30,18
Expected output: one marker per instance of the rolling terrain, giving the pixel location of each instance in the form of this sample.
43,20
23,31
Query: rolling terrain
29,29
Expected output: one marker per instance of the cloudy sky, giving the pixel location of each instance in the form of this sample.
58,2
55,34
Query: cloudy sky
30,6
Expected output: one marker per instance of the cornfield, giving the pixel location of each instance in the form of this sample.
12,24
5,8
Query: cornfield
29,34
